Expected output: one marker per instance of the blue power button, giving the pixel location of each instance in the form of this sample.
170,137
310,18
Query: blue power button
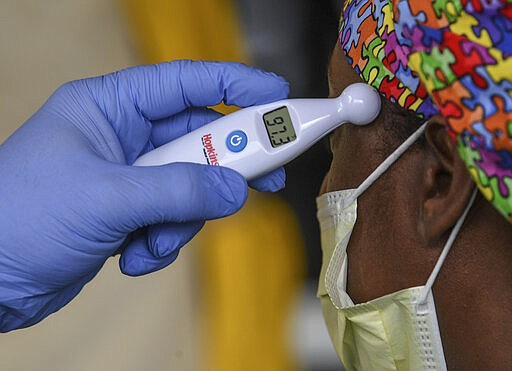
236,141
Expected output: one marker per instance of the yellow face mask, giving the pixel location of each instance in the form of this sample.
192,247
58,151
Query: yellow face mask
398,331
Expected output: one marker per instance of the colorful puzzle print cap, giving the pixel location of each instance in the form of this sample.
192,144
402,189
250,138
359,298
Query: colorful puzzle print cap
449,57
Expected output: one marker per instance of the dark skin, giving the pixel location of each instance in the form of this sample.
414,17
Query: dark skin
403,222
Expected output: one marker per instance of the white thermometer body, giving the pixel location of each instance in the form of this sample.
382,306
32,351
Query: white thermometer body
256,140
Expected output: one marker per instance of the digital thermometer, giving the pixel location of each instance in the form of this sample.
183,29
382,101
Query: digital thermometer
256,140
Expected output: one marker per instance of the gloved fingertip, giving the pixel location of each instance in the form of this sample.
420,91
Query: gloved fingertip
285,85
161,250
129,265
231,187
276,77
137,260
271,182
135,267
164,239
279,89
159,244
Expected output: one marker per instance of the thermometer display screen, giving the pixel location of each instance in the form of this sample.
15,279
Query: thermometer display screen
279,126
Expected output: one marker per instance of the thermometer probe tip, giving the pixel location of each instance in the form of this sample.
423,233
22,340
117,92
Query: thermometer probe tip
361,102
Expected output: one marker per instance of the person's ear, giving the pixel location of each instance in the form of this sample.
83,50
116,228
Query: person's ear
447,185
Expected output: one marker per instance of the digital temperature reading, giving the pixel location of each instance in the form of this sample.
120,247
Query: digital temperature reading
279,126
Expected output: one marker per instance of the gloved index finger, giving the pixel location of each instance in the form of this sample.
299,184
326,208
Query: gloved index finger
162,90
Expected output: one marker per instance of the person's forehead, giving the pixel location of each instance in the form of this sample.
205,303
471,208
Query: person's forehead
353,147
339,72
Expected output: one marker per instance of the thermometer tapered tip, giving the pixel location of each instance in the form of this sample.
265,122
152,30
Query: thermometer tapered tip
361,103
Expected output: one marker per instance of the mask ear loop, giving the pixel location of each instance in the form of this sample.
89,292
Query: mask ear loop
387,163
446,249
336,299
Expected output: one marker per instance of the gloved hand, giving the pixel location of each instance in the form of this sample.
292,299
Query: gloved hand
69,198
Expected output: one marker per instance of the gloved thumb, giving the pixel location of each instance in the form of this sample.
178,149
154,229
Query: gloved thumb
175,193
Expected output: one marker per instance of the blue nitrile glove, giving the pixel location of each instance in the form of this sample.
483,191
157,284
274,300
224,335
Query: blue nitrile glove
69,199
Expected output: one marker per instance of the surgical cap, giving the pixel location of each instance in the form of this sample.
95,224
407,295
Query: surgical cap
449,57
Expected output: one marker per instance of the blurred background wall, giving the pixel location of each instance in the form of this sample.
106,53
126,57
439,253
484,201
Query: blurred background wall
242,295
